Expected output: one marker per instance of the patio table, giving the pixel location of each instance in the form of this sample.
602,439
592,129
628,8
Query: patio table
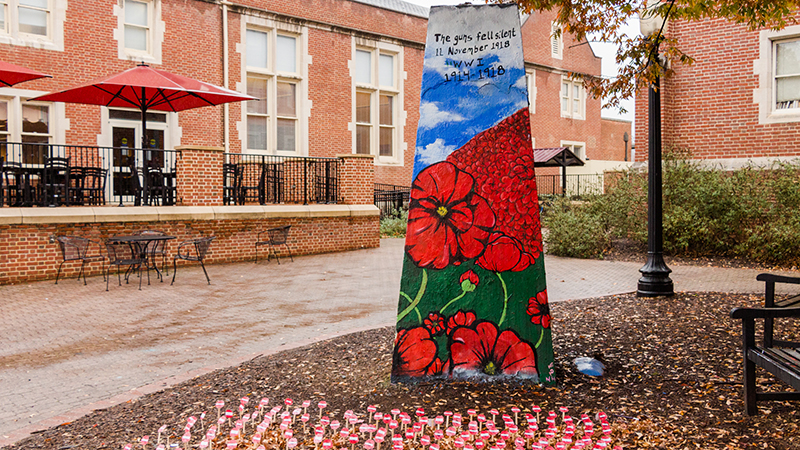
139,244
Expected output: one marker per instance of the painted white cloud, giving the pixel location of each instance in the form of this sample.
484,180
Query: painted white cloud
430,115
434,152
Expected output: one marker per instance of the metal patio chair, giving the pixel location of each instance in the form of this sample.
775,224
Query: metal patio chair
275,237
76,248
93,190
126,254
200,247
56,182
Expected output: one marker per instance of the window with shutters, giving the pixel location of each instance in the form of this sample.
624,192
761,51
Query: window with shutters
556,41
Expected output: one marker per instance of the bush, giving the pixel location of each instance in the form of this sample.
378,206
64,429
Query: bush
394,224
751,213
575,230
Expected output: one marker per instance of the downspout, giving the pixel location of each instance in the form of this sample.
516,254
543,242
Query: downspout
226,107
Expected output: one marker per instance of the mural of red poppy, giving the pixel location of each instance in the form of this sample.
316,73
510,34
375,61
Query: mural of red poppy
483,350
504,253
447,222
414,352
473,244
539,309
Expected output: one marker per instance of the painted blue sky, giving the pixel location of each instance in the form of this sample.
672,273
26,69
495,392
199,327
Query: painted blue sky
464,88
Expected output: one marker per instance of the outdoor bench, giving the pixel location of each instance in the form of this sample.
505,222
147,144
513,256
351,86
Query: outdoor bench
780,358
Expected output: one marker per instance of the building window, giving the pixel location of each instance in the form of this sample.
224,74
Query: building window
577,148
26,18
556,41
787,74
274,78
376,77
28,123
140,30
778,71
573,99
137,25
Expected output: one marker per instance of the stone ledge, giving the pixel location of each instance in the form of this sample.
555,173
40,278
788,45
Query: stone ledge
87,214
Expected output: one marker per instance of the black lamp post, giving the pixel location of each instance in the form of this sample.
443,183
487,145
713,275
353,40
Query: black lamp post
655,280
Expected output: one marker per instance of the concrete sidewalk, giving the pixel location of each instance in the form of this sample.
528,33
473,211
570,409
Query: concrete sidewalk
68,349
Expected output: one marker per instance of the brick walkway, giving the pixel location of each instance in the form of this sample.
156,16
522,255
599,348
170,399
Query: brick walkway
68,349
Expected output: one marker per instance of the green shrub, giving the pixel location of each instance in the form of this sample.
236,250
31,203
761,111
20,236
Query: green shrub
394,224
751,213
575,230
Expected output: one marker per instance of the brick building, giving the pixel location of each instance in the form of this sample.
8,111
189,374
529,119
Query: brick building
739,102
336,77
562,114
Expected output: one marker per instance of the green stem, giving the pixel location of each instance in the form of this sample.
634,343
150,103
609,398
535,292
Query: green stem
505,300
463,293
416,310
417,299
541,337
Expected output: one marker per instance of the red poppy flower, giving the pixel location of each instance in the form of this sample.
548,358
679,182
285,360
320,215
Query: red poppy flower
434,323
504,253
483,350
460,319
469,281
414,352
539,309
447,222
438,367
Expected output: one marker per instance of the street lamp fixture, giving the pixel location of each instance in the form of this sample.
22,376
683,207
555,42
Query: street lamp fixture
655,280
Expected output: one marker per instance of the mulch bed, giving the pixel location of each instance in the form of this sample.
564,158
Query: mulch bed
673,381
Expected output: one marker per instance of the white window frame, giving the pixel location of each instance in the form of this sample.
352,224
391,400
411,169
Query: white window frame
155,34
530,77
57,121
375,90
572,144
764,67
273,76
569,112
56,11
556,41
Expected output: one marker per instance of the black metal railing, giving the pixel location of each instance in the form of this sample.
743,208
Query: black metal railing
41,174
265,179
391,199
576,185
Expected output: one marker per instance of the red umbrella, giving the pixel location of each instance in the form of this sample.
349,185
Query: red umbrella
146,88
11,74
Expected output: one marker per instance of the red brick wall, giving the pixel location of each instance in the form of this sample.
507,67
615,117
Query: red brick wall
577,57
26,254
548,128
612,145
356,179
330,88
199,176
709,107
91,53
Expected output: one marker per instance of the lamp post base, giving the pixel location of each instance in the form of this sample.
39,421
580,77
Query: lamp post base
655,280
